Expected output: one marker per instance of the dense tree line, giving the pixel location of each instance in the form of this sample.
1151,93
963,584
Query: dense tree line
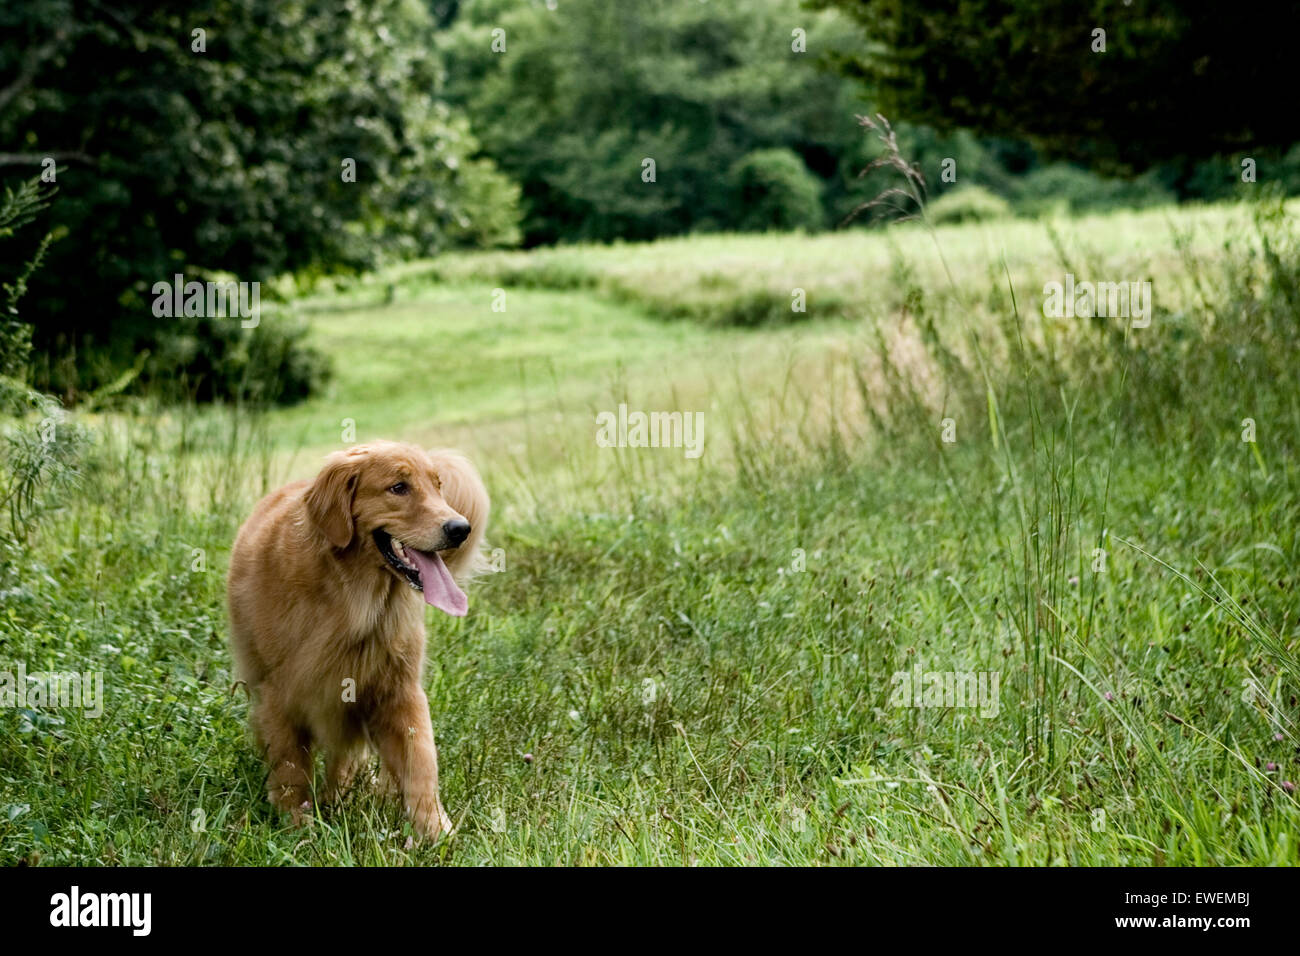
254,139
1118,87
747,108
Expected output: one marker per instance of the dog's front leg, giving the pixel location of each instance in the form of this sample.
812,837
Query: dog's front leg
405,738
288,751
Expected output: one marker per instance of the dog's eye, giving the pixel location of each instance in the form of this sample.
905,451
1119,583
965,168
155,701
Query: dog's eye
400,488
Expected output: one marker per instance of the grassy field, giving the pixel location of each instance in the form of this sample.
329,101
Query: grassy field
696,661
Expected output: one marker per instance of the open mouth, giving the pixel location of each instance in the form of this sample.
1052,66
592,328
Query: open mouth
425,571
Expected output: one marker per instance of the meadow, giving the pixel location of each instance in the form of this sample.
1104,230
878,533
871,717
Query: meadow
694,662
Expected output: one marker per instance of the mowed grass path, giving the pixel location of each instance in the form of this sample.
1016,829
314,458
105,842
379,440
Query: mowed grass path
519,388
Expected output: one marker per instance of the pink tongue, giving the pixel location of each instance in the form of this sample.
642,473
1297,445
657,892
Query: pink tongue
440,589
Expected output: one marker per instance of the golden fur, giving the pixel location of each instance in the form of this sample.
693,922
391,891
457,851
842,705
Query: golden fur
314,605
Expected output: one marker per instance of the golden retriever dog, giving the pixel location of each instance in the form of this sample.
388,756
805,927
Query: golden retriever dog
327,625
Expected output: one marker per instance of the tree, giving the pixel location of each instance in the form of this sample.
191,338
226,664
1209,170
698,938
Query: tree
774,190
573,97
1177,79
219,137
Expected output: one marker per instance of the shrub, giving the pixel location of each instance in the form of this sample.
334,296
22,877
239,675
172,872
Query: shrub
218,359
968,204
1078,190
775,190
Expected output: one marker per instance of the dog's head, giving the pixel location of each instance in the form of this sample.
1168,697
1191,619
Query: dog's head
420,515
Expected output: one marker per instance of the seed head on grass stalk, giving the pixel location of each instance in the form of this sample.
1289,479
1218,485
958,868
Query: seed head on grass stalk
914,187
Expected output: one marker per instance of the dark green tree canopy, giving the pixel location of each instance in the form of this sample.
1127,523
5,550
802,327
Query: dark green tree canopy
1178,79
577,95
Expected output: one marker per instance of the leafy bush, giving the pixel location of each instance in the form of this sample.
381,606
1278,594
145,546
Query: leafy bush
968,204
1077,190
775,190
212,359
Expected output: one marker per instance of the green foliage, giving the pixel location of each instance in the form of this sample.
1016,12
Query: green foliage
968,204
1013,173
229,158
17,209
1026,69
1060,187
274,363
1275,169
582,94
42,446
587,91
774,190
43,451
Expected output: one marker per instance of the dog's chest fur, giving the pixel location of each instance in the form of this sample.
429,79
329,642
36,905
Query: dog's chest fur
378,642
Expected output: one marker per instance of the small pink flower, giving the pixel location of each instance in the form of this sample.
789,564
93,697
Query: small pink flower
1270,766
1288,786
1109,695
1278,737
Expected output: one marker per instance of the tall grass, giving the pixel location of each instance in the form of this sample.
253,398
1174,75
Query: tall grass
691,662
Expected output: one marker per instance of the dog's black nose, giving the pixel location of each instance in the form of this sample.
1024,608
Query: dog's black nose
456,530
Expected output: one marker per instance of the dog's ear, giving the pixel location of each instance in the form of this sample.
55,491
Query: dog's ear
329,499
462,488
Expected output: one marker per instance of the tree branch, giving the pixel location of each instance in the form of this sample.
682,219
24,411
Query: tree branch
31,65
36,159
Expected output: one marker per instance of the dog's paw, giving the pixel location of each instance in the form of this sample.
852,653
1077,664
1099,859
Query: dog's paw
429,818
289,798
300,816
